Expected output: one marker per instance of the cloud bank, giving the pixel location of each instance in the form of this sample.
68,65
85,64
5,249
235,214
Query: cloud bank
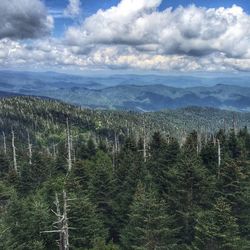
134,34
22,19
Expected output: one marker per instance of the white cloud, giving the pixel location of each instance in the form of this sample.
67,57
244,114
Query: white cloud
21,19
51,53
191,31
73,9
136,34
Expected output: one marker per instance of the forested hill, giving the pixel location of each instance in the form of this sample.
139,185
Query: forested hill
47,117
112,180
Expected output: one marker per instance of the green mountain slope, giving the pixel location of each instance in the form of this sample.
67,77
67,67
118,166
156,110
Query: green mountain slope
117,180
24,113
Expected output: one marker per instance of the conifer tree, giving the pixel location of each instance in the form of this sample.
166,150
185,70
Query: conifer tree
78,179
129,170
234,148
101,186
193,189
209,157
161,163
86,224
100,244
4,165
26,219
217,229
34,175
149,226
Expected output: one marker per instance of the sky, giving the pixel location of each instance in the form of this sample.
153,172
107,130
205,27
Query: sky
100,36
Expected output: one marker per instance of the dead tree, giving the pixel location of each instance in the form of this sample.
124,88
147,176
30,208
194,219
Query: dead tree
214,139
144,150
225,125
234,125
113,157
116,143
69,147
14,151
115,149
65,224
54,151
144,144
30,149
62,226
206,136
199,144
4,144
219,157
72,149
59,223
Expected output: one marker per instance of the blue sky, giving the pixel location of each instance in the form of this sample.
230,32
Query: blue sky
92,6
126,35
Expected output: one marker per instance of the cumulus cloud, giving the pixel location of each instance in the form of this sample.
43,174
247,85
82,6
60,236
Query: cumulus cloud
191,31
53,54
21,19
73,9
136,34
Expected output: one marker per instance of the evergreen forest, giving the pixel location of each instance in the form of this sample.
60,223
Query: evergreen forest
82,179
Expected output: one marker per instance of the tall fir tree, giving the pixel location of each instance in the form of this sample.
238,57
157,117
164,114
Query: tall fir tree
217,229
86,223
149,226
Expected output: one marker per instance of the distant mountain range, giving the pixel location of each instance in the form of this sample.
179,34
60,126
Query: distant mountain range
131,92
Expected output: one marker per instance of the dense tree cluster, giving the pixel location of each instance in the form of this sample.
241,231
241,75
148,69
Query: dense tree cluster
124,190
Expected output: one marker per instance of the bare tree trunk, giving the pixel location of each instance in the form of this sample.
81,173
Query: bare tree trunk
214,139
72,149
116,143
62,223
69,147
197,149
234,125
219,158
113,157
14,151
59,223
54,151
144,150
144,144
4,144
65,222
205,136
30,149
198,143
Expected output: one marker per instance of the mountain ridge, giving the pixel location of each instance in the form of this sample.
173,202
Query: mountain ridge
134,96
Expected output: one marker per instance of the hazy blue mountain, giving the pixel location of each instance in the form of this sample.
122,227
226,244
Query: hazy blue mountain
97,81
131,92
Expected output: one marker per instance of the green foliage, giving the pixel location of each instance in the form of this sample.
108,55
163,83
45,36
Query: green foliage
177,197
86,224
33,175
25,220
4,166
101,186
149,226
101,245
217,228
193,191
